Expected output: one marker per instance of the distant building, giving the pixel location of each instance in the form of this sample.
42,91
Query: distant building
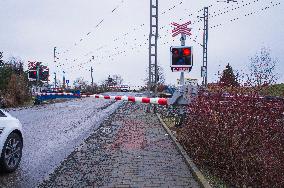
189,81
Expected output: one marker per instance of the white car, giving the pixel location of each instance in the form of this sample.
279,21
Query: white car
11,142
124,88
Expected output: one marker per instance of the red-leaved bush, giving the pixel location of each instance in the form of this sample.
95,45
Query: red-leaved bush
239,138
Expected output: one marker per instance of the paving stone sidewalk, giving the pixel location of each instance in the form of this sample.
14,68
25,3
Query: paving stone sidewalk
131,149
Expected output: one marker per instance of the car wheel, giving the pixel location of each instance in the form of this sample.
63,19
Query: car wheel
11,153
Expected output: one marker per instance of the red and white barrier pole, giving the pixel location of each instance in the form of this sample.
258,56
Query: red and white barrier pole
159,101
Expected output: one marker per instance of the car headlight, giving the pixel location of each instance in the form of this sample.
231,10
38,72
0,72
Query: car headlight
1,130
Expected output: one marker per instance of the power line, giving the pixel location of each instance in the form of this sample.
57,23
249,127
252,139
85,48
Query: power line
96,27
193,38
132,48
125,34
236,18
248,14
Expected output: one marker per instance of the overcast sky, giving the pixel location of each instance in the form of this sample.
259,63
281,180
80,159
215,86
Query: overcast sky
115,32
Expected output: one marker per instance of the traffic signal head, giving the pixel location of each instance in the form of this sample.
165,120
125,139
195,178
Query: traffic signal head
32,74
181,56
44,75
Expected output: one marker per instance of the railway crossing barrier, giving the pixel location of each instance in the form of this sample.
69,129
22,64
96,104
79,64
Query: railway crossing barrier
40,97
159,101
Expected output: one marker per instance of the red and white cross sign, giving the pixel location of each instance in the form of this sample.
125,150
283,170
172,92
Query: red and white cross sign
181,29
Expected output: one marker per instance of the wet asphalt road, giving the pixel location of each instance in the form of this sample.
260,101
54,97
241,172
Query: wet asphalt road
51,133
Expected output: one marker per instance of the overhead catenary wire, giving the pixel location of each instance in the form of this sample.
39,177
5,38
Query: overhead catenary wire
126,34
134,29
237,6
95,28
165,27
247,14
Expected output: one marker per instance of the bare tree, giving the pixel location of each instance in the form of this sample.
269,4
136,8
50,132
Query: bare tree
262,68
80,83
118,79
161,76
16,64
114,80
240,76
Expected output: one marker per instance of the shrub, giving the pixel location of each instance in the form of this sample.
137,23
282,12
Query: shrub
273,90
17,92
238,138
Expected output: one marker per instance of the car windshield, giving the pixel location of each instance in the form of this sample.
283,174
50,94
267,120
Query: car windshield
2,114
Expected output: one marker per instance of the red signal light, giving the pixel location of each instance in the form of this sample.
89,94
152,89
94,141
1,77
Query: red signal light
186,52
34,73
175,52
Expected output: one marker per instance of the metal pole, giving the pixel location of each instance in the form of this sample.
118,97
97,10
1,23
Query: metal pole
54,80
37,76
92,76
47,79
182,40
63,80
153,38
54,54
54,60
205,44
156,48
150,39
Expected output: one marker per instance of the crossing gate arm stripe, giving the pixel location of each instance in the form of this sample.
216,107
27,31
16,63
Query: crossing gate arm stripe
145,100
124,98
132,99
163,101
112,97
138,99
107,97
99,96
154,100
118,98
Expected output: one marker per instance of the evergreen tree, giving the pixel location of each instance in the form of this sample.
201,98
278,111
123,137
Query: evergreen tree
228,77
